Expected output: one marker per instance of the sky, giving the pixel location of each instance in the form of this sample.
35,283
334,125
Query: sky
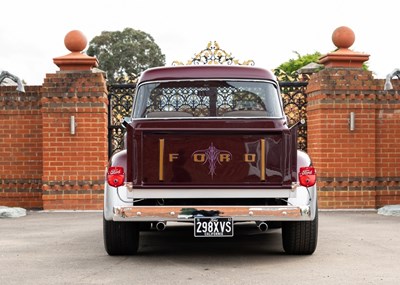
268,32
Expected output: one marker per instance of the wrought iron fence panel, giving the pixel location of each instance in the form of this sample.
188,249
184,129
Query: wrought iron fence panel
121,100
120,97
295,106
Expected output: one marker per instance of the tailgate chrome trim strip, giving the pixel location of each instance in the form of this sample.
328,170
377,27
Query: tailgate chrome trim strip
186,213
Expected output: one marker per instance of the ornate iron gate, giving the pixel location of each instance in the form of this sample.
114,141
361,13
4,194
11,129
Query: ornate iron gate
121,97
292,89
295,105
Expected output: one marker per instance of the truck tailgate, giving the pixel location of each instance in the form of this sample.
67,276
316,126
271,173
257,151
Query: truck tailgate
201,159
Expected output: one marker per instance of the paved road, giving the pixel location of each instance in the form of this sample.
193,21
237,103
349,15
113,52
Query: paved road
67,248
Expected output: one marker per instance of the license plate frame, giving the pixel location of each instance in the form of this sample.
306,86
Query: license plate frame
213,227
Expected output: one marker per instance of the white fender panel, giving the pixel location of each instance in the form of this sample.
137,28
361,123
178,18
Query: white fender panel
303,159
111,198
304,197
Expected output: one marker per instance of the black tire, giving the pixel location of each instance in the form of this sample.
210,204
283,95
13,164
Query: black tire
300,238
120,238
274,225
145,226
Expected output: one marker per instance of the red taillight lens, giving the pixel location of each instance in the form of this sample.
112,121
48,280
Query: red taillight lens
307,176
115,176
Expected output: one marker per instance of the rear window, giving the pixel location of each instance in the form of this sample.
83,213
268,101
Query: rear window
220,98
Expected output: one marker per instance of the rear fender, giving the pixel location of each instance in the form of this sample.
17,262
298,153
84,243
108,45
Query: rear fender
111,198
305,196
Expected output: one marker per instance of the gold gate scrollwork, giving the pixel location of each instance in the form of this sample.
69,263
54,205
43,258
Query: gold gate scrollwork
213,54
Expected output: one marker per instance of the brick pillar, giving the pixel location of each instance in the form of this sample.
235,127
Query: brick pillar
345,159
74,160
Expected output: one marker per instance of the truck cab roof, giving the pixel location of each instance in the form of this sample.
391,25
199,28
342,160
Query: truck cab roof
206,71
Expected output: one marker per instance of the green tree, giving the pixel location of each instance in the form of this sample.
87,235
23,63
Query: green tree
125,53
292,65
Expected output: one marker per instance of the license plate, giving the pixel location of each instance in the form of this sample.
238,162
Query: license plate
213,227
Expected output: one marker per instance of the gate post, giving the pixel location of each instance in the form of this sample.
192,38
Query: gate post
344,154
74,116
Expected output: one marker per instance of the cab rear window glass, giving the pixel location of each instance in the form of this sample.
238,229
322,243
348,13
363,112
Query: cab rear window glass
219,98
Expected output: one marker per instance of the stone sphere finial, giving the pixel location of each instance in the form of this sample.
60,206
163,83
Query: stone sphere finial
75,41
343,37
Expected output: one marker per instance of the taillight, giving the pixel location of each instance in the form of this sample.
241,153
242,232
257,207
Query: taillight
115,176
307,176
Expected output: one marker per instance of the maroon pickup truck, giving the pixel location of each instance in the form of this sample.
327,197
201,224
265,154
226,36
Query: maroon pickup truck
209,145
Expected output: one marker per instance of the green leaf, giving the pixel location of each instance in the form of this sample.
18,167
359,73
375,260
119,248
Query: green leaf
127,52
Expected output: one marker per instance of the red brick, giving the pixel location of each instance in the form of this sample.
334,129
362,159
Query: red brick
367,153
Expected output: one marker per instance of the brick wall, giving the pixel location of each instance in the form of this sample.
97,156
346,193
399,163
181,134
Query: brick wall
388,147
20,147
356,169
43,165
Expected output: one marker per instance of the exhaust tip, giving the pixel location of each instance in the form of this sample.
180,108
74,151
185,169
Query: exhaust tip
160,226
262,226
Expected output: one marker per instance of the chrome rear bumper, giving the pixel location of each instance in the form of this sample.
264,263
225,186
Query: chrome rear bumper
187,213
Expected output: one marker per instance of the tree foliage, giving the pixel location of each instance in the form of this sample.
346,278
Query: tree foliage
292,65
125,53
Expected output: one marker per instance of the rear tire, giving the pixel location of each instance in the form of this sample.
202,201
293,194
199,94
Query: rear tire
120,238
145,226
300,238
